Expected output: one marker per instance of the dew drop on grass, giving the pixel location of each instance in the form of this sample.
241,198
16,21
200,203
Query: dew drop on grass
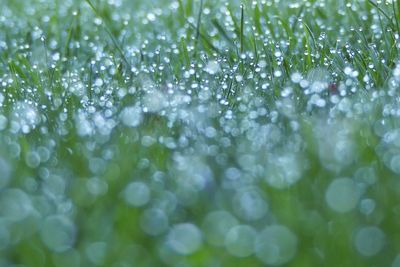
296,77
342,195
277,73
239,78
216,225
369,240
276,245
212,67
96,186
136,194
239,241
184,238
15,204
43,153
367,206
284,171
32,159
262,63
58,233
131,116
249,205
366,175
25,117
154,101
154,221
345,152
151,17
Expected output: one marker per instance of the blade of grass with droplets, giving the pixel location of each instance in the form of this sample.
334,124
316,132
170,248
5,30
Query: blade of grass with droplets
383,12
206,41
198,25
307,45
222,31
241,29
241,39
111,35
185,54
234,20
257,19
396,14
288,31
182,14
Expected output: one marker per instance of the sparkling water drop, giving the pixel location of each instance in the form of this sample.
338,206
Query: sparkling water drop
212,67
131,116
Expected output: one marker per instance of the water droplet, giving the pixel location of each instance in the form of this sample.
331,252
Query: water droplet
276,245
58,233
369,240
262,63
284,170
342,195
216,225
184,238
212,67
136,194
367,206
32,159
131,116
15,204
154,222
97,186
296,77
239,241
154,101
25,117
151,17
249,205
277,73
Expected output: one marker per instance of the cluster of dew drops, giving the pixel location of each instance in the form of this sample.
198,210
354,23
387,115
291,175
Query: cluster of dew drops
215,141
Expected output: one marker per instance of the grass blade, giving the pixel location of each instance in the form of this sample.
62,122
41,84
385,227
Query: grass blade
112,37
241,29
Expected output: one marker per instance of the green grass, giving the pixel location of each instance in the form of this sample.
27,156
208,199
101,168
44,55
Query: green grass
159,133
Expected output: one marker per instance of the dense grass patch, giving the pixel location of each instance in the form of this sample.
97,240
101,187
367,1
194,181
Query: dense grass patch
199,133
